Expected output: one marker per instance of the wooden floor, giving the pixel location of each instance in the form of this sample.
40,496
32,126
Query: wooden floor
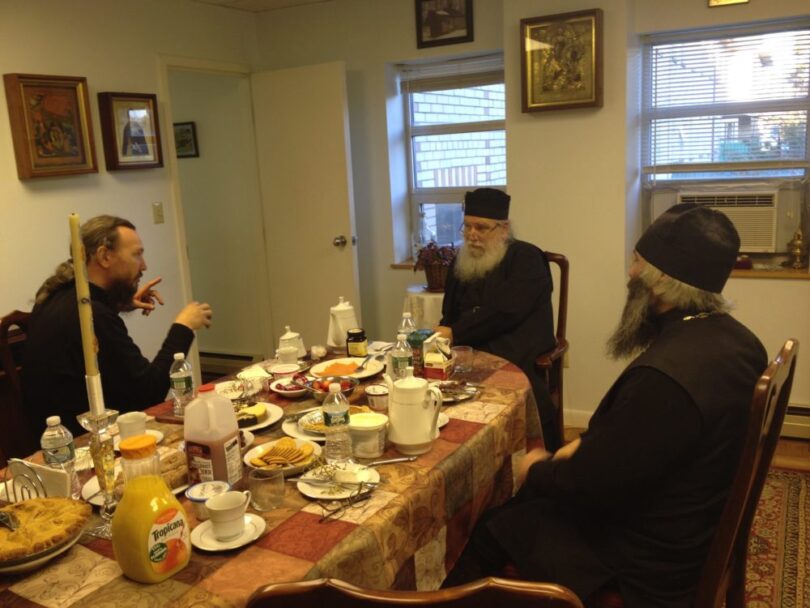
790,453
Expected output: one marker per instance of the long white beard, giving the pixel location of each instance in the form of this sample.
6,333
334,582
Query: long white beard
470,267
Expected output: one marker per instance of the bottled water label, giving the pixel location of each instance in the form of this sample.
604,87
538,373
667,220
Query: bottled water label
336,418
59,455
181,382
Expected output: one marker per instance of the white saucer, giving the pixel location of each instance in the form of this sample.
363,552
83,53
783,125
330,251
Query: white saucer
203,537
156,434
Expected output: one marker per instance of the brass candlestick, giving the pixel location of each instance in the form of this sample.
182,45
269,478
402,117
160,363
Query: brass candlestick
796,247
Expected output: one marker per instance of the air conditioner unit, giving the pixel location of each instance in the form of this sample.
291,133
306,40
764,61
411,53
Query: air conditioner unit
765,219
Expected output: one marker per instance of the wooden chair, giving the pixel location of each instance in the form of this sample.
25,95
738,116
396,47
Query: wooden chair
723,576
485,593
550,363
15,436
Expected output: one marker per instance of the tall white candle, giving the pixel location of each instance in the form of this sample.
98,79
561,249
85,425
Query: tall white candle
85,309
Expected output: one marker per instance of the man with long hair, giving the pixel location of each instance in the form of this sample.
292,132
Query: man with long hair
53,368
636,500
498,296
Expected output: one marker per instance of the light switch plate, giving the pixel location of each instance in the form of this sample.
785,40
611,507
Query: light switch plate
157,212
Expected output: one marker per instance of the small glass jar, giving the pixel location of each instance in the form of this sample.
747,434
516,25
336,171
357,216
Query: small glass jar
356,343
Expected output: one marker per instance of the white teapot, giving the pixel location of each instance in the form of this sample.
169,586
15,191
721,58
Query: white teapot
341,320
413,410
292,338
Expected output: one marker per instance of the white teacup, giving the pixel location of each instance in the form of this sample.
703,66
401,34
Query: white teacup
226,512
131,423
287,354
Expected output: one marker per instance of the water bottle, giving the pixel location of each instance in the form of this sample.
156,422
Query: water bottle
406,325
182,383
336,418
401,357
59,451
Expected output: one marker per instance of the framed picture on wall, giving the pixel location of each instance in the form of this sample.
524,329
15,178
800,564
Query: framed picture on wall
130,130
185,140
561,61
50,125
440,22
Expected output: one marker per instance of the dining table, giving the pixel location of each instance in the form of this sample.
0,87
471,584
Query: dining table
407,535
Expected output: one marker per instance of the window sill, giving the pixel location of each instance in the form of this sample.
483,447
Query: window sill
777,273
403,265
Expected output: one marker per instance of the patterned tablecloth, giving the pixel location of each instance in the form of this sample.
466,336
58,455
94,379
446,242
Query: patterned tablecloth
406,536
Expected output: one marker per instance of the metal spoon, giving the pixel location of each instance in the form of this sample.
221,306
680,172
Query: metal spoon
362,366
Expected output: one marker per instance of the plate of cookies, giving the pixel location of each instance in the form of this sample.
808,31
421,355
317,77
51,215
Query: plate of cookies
287,454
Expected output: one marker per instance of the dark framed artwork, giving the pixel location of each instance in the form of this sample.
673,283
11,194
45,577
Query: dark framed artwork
50,125
561,61
185,140
130,130
440,22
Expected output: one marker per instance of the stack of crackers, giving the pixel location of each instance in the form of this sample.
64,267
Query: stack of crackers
284,453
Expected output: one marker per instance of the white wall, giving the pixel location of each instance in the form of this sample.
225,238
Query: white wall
115,45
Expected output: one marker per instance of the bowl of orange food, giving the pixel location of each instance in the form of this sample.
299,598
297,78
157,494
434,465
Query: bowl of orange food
319,387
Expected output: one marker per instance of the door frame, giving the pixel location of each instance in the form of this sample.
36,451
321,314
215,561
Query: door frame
189,64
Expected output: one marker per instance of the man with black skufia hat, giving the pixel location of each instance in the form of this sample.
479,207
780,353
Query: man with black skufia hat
498,296
636,500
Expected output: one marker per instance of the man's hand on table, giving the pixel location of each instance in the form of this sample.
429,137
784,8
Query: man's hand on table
444,332
535,455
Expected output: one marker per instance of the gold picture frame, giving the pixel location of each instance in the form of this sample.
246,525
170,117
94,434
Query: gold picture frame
561,61
713,3
50,125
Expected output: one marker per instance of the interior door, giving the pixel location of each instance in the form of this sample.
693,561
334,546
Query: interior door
302,139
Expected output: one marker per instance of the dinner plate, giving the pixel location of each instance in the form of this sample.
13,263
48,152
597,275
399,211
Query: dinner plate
274,414
90,489
453,394
156,434
315,417
232,389
336,492
372,367
442,420
248,437
276,385
32,562
290,428
203,537
291,470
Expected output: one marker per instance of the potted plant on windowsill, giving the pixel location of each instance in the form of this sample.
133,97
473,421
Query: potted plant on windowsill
435,260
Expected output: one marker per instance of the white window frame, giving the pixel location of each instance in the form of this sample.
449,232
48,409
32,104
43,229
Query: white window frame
448,74
649,114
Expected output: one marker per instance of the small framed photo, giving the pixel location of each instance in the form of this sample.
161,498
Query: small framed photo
50,125
561,61
185,140
130,130
440,22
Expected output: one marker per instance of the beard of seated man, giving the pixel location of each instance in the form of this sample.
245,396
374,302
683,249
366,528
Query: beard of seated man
637,328
120,293
474,262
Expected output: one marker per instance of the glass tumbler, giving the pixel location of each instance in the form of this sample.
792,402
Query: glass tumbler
266,488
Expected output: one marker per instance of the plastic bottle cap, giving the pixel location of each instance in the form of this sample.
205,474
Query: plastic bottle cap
205,388
53,420
401,337
334,387
179,356
406,315
138,446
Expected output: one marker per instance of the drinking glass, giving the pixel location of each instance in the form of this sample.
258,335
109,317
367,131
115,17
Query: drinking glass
266,488
464,359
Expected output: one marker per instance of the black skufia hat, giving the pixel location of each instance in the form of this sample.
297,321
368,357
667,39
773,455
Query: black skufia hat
693,244
487,202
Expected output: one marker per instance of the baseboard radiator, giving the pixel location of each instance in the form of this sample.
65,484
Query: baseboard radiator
215,365
797,422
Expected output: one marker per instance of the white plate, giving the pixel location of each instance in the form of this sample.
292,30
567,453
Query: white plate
249,439
91,487
467,392
156,434
232,389
203,537
36,562
261,449
337,493
442,420
372,367
290,427
313,417
274,414
276,385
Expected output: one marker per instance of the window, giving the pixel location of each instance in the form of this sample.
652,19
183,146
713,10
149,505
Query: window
456,139
730,106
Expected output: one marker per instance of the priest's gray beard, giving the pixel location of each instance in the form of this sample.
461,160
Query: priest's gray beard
476,263
636,329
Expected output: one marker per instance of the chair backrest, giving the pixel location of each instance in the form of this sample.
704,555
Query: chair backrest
723,577
15,436
562,293
485,593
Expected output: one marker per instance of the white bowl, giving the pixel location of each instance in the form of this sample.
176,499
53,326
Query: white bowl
284,369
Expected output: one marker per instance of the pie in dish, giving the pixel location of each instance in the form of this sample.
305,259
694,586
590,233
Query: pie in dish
43,523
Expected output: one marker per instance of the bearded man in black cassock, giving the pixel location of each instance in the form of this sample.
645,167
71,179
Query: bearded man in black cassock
636,500
498,296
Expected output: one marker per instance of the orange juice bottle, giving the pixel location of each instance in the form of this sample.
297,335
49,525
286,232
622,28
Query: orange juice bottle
150,532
